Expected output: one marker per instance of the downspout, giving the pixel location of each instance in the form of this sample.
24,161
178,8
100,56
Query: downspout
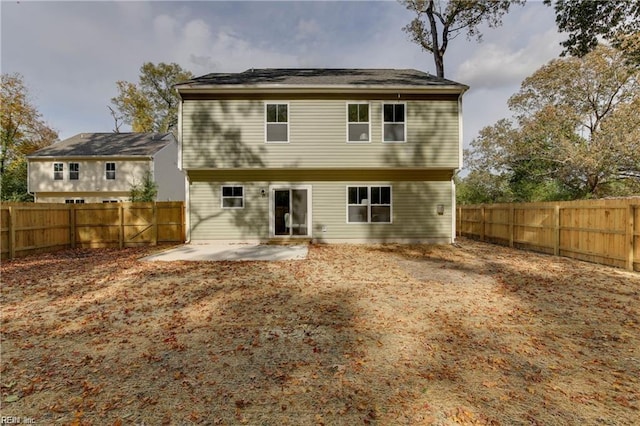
187,222
187,204
180,133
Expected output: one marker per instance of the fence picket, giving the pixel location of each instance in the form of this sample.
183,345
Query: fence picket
30,228
599,231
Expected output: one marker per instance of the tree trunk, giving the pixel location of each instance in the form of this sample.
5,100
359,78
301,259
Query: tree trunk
438,53
439,60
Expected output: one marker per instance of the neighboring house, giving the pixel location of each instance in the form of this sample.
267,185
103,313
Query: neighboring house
103,167
336,155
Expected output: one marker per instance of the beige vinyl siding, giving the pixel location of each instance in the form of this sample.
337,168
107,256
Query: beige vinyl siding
209,221
230,134
414,213
413,203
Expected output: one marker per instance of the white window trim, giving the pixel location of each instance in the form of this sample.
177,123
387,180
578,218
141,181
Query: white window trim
266,103
272,189
61,171
368,222
74,171
348,122
222,197
384,122
115,170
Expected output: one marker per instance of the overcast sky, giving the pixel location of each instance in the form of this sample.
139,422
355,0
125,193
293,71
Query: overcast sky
72,53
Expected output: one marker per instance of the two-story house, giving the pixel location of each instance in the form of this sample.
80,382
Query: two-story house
103,167
323,154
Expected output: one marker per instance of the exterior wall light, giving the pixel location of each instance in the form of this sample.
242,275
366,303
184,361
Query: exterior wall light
440,209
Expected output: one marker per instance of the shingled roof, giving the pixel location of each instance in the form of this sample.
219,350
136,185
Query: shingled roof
107,144
322,77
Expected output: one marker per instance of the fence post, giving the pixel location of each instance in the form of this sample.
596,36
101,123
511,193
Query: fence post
72,225
630,236
121,227
12,235
482,222
512,219
183,222
556,230
154,224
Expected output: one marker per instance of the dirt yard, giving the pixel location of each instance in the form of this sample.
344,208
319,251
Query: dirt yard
378,334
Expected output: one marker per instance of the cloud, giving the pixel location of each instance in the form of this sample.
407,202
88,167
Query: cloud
495,66
72,53
307,29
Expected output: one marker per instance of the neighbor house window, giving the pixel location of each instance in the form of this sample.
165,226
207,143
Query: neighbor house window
358,122
394,123
277,118
369,204
58,169
74,201
110,170
232,197
74,171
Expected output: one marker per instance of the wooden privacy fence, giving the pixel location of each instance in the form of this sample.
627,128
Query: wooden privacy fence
599,231
28,228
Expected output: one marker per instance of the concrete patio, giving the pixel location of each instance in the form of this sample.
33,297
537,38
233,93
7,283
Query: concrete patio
230,251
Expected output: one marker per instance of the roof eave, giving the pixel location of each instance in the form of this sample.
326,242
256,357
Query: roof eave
91,157
275,88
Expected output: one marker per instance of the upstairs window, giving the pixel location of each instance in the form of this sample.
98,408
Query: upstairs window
394,123
232,197
369,204
358,122
277,119
110,171
74,171
58,171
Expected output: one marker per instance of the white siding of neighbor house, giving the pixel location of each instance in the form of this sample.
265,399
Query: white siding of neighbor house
87,197
414,212
92,176
231,134
93,186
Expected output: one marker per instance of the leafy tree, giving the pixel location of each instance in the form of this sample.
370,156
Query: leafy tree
588,20
22,132
576,132
481,186
630,45
145,191
151,105
437,22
